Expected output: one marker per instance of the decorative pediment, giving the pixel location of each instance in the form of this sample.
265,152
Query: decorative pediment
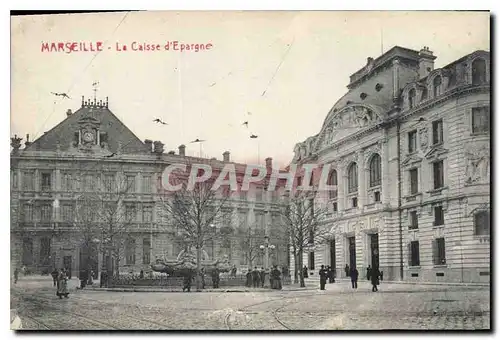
347,121
411,159
436,152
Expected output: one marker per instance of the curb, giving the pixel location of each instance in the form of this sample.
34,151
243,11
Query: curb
459,284
145,290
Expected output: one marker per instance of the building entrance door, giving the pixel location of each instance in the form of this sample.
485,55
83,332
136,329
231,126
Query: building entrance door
374,250
352,252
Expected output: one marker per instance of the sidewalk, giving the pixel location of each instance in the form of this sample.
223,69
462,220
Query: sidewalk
147,289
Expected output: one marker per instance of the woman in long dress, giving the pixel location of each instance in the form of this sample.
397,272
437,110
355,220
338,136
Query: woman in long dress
62,285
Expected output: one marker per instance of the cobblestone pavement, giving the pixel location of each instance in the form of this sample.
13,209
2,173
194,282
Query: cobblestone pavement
395,306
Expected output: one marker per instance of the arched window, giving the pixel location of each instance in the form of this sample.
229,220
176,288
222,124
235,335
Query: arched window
375,171
478,72
332,180
437,85
411,98
482,223
352,178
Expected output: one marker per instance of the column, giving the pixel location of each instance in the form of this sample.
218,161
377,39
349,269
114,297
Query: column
362,199
385,172
342,184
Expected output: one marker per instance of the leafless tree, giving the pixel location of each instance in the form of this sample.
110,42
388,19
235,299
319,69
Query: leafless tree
303,219
198,215
250,239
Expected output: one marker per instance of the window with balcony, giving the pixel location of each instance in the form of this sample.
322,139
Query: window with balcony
413,181
439,251
46,212
352,178
438,174
46,181
437,131
412,141
438,216
481,120
413,220
482,223
375,171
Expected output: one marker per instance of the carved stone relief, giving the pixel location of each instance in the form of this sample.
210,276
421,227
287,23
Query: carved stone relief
478,164
424,138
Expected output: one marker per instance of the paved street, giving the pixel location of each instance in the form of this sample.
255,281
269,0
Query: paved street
395,306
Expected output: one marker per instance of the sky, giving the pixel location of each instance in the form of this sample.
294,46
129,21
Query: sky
286,68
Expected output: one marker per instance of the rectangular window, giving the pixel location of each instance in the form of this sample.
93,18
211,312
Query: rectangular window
439,251
438,174
414,253
130,214
413,220
147,214
413,181
146,184
130,183
14,179
412,141
311,260
481,119
27,212
28,181
482,223
438,216
46,181
146,251
130,251
67,212
66,181
109,183
335,207
354,202
437,131
45,212
376,196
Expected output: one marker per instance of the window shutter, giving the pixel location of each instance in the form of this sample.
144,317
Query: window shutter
435,250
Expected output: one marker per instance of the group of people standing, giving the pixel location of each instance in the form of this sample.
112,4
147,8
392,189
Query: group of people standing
188,279
372,274
257,278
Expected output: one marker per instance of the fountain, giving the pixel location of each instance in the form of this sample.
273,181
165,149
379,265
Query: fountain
185,264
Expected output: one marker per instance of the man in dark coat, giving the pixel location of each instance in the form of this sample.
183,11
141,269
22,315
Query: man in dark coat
276,278
354,277
249,279
346,269
331,278
54,275
187,282
323,274
375,274
215,278
262,277
304,272
84,276
368,272
255,277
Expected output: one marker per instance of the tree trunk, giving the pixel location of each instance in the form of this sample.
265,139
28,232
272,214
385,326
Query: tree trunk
296,266
301,265
198,268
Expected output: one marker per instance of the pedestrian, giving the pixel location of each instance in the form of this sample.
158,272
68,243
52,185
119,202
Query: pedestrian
202,274
141,274
233,271
104,278
368,272
83,276
323,274
329,272
54,275
354,277
262,277
16,274
215,278
375,279
276,278
249,278
304,272
187,282
346,269
62,285
90,281
255,277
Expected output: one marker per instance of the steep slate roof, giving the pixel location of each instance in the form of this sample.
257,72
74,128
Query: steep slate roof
63,133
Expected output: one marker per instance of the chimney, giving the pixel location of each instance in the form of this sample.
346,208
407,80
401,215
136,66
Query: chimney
69,113
225,156
158,147
27,143
426,62
182,150
171,152
149,144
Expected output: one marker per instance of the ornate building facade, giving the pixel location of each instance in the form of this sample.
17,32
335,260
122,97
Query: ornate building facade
409,150
92,156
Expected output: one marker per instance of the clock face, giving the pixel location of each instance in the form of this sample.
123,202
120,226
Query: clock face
88,137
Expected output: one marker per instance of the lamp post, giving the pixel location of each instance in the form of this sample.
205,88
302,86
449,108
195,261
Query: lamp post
265,247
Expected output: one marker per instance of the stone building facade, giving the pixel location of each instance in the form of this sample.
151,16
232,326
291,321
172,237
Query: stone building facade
92,155
409,150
